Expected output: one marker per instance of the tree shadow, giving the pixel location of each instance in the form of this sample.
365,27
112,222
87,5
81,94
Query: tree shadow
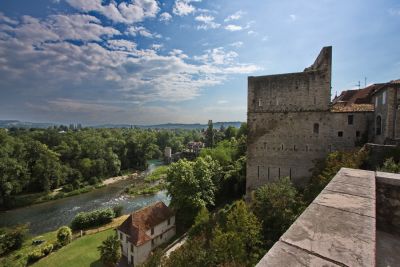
97,263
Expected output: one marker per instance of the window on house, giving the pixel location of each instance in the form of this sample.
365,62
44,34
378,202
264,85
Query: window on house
384,98
350,119
169,221
378,125
340,133
316,128
152,231
358,134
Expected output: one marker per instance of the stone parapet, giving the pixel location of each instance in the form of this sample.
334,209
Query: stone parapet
337,229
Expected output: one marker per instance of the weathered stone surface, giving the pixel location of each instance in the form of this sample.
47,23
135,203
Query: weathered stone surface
350,203
342,236
387,249
351,189
345,178
388,178
282,254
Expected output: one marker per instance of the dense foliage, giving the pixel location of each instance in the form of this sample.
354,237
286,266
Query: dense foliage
64,235
84,220
12,238
41,160
110,251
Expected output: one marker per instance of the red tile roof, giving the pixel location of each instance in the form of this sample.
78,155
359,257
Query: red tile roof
142,220
355,100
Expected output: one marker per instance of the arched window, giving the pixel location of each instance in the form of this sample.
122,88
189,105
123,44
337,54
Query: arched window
378,125
316,128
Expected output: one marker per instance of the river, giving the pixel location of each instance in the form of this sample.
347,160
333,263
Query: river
51,215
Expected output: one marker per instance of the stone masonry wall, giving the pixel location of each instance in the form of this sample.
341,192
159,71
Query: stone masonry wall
290,125
388,202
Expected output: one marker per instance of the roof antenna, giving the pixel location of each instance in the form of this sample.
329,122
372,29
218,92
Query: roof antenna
359,85
365,81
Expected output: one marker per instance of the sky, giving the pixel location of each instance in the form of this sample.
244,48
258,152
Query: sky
182,61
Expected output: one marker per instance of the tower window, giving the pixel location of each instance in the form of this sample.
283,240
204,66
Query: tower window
357,133
378,125
340,134
316,128
350,119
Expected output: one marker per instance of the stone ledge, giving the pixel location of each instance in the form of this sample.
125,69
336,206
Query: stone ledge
388,178
337,229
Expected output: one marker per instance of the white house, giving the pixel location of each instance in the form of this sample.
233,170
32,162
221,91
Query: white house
144,230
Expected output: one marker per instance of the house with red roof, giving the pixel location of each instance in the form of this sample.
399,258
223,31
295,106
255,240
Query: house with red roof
145,230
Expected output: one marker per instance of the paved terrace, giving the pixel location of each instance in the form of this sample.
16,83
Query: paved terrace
339,228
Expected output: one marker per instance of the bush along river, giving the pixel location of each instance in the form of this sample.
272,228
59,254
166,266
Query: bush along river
51,215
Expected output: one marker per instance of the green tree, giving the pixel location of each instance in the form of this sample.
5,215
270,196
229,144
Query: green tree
110,251
191,186
277,205
64,235
210,135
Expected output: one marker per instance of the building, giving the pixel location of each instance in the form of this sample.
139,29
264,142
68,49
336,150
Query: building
292,123
386,101
145,230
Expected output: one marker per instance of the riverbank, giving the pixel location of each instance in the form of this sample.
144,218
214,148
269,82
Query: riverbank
70,255
26,200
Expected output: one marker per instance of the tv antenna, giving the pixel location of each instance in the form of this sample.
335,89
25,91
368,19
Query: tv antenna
359,85
365,81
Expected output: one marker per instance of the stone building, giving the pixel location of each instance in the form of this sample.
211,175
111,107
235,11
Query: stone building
386,100
292,122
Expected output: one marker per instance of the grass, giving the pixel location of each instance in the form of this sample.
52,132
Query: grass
18,258
92,239
81,252
158,174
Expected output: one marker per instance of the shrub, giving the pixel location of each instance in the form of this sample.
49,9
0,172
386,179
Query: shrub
389,165
118,210
84,220
47,249
64,235
12,239
35,255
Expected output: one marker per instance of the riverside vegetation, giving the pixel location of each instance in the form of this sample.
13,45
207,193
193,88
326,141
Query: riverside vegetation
36,162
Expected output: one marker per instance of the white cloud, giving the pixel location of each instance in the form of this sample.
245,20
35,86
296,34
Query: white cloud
233,28
237,44
165,17
183,8
235,16
124,12
7,20
252,33
265,38
293,17
207,22
38,58
140,30
221,102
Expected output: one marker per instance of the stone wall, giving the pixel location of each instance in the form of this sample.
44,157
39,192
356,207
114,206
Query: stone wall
388,201
290,124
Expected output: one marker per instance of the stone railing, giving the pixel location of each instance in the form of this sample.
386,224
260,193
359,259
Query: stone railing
337,229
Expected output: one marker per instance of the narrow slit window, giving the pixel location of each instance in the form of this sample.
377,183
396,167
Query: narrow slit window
316,128
378,125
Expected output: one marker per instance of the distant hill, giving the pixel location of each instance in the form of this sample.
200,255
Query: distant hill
217,125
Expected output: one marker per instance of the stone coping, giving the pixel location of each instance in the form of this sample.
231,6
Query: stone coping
388,178
337,229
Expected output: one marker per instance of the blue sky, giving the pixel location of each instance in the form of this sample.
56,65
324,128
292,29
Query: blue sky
148,61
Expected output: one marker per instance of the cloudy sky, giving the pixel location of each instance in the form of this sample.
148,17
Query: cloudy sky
153,61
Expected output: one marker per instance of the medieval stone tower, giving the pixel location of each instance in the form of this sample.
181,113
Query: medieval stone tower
291,123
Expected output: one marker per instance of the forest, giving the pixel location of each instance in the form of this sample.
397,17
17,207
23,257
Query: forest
41,160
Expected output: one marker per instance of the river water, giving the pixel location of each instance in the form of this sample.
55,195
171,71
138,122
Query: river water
51,215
